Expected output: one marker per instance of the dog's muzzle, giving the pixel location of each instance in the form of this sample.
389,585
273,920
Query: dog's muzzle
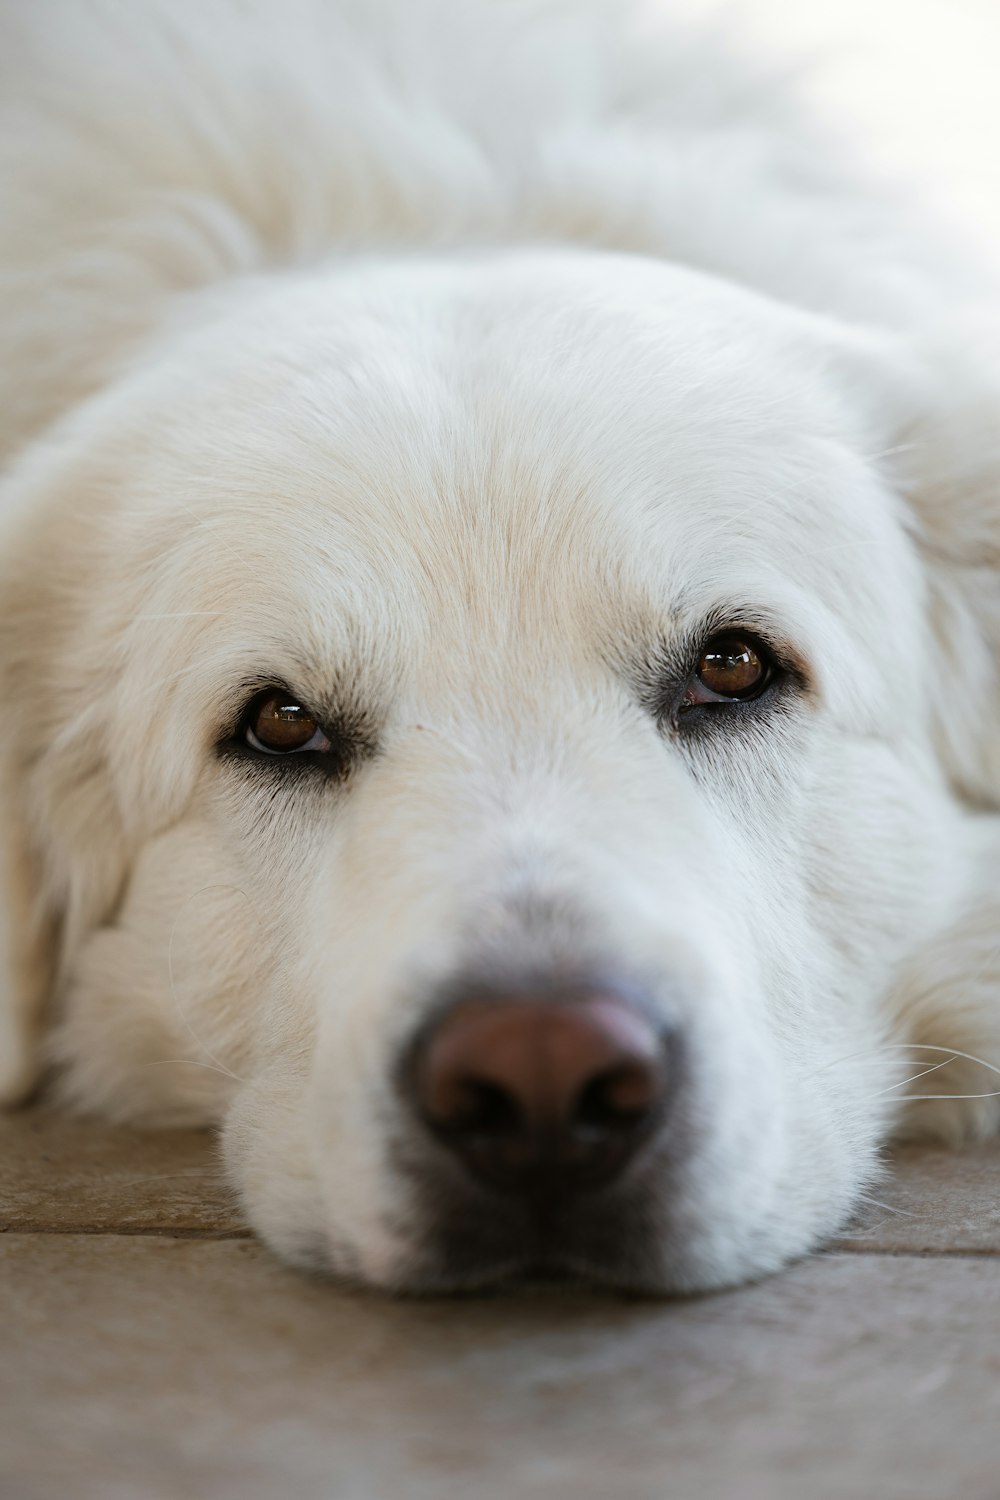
533,1112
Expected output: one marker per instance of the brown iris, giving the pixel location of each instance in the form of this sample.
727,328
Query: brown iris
730,667
280,726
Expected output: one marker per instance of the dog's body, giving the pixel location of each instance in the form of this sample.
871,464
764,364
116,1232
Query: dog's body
463,369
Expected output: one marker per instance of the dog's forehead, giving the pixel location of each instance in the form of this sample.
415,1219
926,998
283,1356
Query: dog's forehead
475,496
541,422
579,454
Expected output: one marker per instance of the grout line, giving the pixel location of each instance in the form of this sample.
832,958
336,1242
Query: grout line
926,1252
189,1232
128,1231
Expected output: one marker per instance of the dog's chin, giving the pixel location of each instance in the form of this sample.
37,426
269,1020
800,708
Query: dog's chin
419,1273
531,1277
644,1262
444,1273
487,1256
639,1238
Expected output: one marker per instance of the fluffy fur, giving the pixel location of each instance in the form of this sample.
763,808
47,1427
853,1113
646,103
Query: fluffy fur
459,364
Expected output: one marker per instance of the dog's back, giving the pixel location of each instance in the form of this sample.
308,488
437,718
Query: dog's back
154,149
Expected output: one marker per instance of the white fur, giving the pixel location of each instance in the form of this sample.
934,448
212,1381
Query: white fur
459,355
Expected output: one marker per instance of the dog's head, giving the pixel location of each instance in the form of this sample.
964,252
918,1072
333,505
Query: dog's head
486,733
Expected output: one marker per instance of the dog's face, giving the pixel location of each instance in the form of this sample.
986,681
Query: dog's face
500,754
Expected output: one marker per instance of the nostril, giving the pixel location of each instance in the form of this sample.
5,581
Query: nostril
617,1100
540,1092
473,1107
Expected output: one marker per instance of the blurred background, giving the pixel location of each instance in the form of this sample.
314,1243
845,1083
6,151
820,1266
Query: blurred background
918,81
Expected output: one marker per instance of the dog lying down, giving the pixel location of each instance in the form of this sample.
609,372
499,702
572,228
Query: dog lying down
501,633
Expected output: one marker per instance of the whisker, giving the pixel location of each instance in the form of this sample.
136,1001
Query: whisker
190,1062
916,1098
178,614
914,1076
890,1208
953,1052
914,447
968,1056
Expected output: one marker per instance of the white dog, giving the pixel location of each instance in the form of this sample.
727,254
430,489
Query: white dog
501,632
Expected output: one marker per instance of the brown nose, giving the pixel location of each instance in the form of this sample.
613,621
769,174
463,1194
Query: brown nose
542,1095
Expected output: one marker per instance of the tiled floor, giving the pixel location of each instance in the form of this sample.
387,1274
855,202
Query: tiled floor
151,1349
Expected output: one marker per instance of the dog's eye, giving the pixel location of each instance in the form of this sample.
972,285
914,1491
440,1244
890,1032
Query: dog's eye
731,668
276,725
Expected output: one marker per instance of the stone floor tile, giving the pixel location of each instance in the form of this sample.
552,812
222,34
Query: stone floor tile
140,1368
933,1201
60,1174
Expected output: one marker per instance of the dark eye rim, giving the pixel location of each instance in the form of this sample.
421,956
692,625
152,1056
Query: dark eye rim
689,711
344,744
253,740
764,653
668,674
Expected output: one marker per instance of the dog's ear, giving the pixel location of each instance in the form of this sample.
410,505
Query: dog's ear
61,849
948,460
927,411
